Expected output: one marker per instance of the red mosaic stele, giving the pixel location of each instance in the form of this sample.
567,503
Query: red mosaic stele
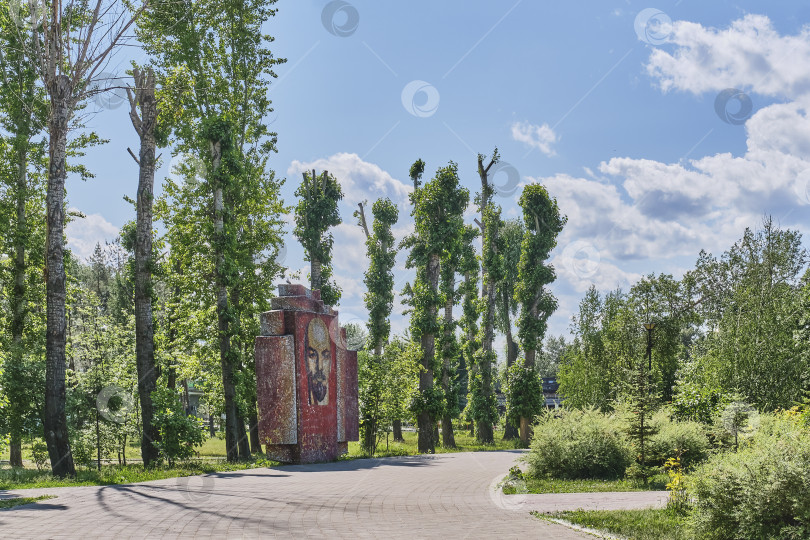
306,380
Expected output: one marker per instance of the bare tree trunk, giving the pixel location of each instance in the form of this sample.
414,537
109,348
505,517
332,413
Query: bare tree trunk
144,331
55,419
525,423
211,430
244,441
15,452
426,442
397,428
255,443
19,304
510,432
448,438
315,275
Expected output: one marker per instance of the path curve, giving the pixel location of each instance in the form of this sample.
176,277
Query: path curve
440,496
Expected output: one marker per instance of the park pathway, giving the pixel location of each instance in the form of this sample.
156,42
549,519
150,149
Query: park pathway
441,496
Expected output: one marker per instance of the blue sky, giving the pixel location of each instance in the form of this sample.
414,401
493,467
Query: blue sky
612,105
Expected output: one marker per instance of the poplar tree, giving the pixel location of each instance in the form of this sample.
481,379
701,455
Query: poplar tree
543,223
316,213
436,207
379,298
215,68
482,395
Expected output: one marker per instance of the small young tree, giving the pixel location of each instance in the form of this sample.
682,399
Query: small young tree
316,213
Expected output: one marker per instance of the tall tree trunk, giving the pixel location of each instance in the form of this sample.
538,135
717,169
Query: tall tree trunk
15,451
315,275
485,432
55,419
144,330
426,442
244,440
253,421
510,432
531,354
19,304
397,428
223,317
448,438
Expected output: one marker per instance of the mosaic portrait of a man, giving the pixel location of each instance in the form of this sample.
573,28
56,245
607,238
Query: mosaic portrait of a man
319,362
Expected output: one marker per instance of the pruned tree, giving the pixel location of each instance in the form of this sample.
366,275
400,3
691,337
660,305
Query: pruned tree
316,213
379,298
214,67
437,206
482,392
543,223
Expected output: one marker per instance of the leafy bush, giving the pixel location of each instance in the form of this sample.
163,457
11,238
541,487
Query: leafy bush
179,432
39,451
686,441
761,491
573,444
524,393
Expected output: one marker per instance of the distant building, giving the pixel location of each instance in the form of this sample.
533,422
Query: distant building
550,387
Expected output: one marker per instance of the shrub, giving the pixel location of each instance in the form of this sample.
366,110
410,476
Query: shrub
686,440
179,432
573,444
760,491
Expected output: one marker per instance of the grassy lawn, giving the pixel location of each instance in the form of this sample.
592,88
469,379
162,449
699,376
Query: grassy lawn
555,485
211,459
651,524
19,501
464,443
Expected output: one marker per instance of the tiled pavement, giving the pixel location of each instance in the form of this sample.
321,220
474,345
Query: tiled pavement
441,496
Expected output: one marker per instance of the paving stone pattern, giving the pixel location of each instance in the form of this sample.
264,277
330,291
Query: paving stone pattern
442,496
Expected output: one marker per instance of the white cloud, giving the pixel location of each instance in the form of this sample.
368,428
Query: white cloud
749,55
359,179
84,233
539,137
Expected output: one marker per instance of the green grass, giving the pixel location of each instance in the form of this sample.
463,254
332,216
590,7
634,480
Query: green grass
118,474
556,485
464,443
19,501
650,524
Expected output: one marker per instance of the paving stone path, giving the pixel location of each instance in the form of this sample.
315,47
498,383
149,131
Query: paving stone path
441,496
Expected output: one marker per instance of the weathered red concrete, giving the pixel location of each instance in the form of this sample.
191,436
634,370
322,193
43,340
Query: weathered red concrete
309,370
276,389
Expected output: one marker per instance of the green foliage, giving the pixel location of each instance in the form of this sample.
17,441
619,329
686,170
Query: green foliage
387,384
481,405
317,212
179,432
542,224
379,277
574,444
524,394
762,491
753,301
685,440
